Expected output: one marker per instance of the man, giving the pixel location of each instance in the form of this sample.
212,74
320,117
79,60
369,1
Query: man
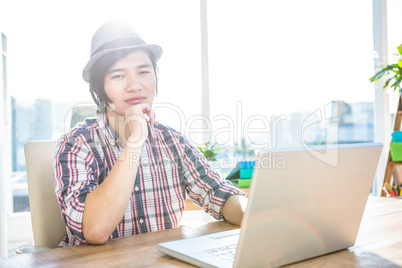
122,173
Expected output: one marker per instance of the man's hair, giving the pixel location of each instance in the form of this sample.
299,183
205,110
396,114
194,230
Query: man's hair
100,68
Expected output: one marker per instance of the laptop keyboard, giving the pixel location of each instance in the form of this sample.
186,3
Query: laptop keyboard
226,252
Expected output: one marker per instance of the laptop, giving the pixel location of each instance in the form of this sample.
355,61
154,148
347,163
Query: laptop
302,203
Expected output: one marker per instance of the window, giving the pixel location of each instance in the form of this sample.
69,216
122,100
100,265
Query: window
291,72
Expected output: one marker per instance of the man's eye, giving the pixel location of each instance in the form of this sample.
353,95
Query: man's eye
144,72
117,76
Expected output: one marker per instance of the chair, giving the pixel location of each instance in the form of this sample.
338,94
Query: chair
47,224
82,111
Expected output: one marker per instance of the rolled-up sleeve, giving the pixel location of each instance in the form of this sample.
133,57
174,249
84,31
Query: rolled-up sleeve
204,185
74,169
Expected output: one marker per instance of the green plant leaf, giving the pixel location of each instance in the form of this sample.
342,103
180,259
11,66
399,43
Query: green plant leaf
387,82
208,151
398,83
393,69
394,72
400,49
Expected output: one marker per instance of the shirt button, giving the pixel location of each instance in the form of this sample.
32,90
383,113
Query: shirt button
136,188
141,220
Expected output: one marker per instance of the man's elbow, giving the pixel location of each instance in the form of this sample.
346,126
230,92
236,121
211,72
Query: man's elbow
95,237
234,208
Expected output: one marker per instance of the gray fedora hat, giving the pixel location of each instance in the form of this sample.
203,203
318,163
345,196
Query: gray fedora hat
112,36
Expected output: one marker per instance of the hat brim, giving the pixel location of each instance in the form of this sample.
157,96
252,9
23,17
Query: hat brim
155,50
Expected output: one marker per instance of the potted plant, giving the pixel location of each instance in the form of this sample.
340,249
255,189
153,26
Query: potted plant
394,72
209,151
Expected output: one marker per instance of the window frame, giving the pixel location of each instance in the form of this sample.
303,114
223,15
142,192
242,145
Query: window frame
4,151
382,115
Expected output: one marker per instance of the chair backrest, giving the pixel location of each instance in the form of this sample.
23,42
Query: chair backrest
80,112
47,224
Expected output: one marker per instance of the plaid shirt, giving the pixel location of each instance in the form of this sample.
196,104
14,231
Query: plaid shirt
169,167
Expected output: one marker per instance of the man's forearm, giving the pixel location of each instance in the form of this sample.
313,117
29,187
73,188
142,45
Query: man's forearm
106,205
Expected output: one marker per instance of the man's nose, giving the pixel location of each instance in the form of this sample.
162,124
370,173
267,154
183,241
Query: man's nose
134,83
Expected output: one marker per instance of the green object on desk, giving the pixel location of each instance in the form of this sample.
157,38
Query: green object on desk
241,183
396,151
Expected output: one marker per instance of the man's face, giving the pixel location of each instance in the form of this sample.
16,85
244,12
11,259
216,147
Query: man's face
130,81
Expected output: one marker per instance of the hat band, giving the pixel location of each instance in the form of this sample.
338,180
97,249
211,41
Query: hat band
122,42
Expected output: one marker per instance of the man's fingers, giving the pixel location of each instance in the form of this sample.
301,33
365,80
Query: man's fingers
149,113
145,110
152,119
